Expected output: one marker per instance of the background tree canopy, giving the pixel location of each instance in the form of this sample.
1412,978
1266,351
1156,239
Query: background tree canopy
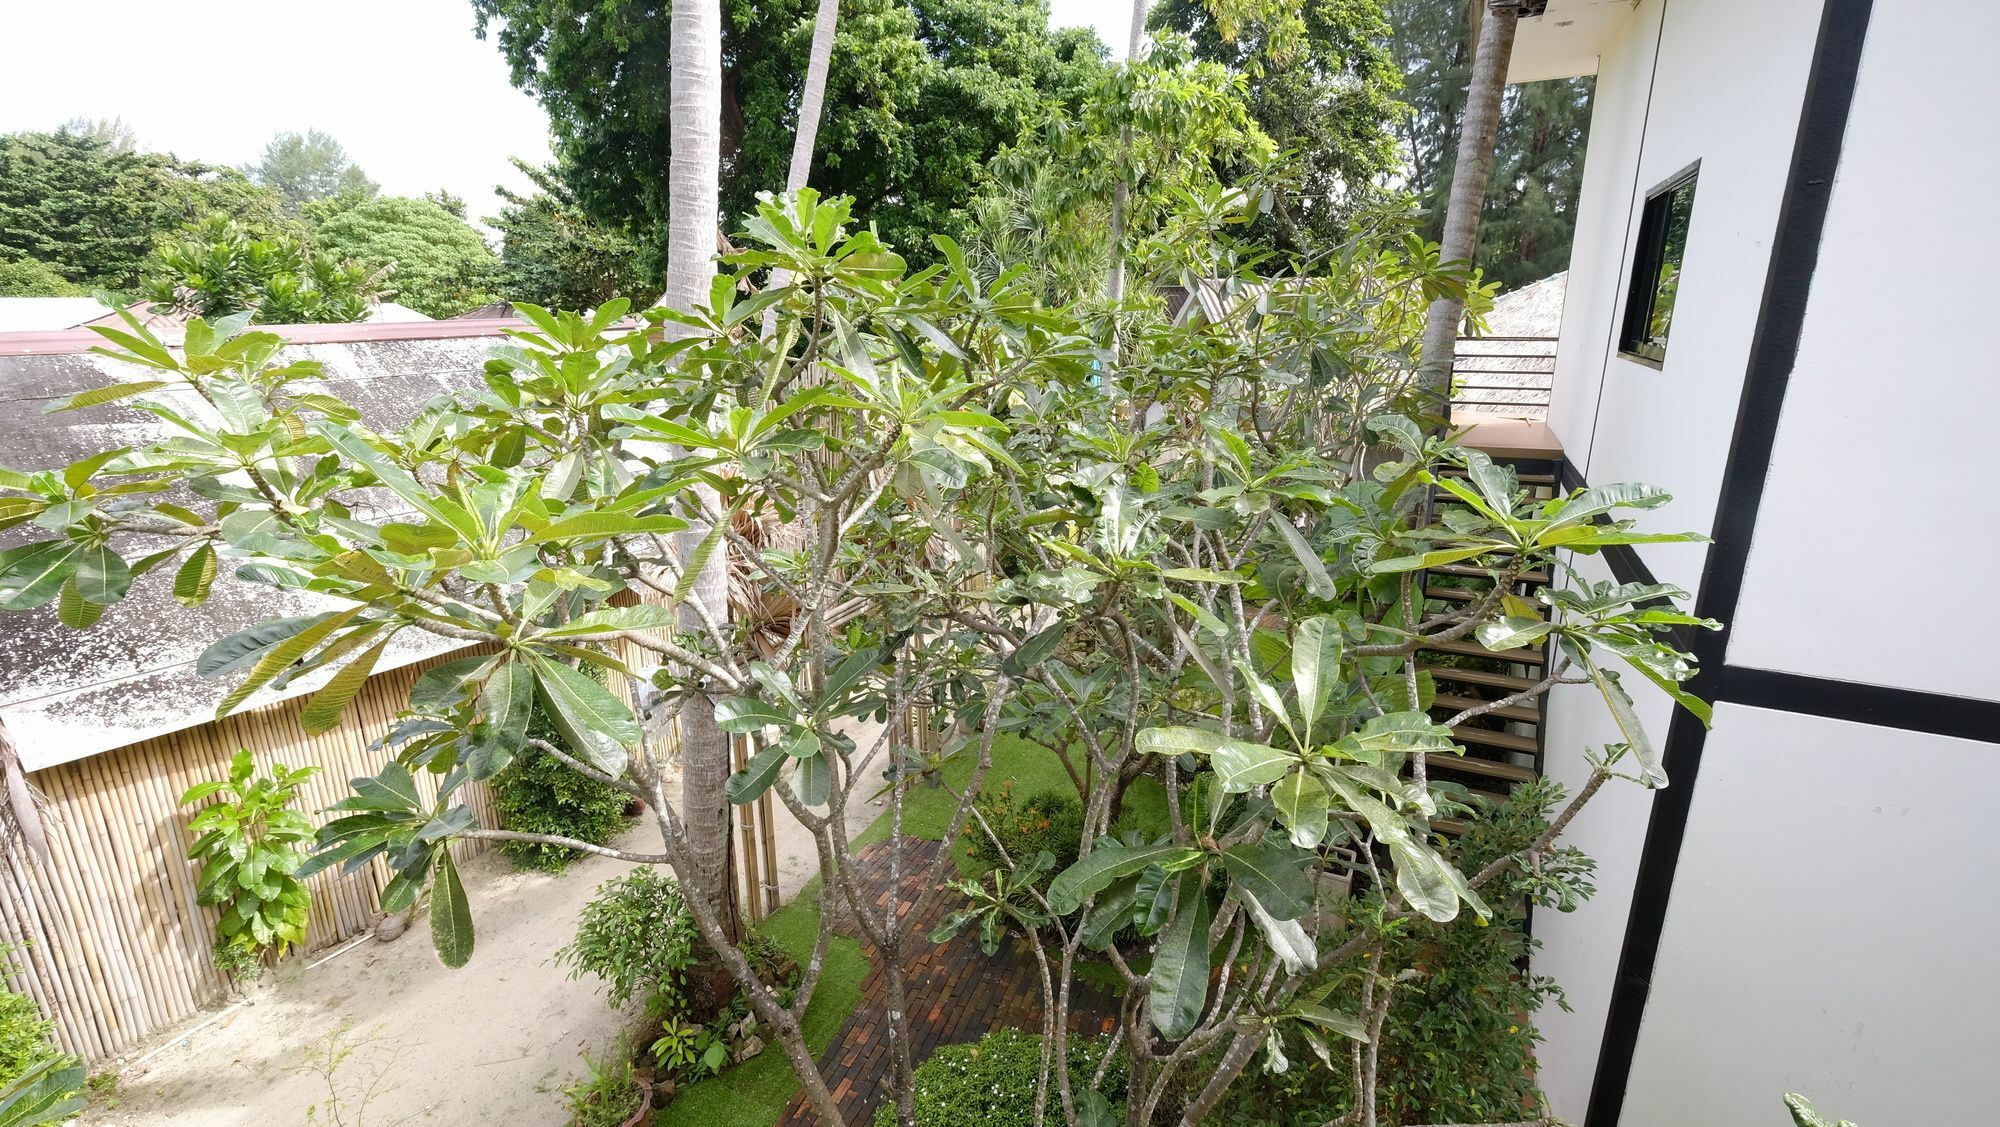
90,211
302,167
1324,88
443,266
1529,219
553,253
920,96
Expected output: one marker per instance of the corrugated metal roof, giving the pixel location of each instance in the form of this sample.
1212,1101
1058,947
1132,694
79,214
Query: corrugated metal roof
67,694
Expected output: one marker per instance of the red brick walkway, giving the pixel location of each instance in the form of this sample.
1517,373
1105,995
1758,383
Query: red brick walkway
955,992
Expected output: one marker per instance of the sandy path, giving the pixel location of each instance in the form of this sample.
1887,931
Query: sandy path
493,1043
490,1044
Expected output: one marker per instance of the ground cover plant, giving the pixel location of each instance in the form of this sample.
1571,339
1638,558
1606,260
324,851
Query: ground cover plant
1190,552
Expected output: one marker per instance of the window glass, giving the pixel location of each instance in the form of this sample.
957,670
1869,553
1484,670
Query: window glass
1656,273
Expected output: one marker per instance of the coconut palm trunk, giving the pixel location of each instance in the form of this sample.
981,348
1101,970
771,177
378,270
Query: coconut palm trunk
811,101
694,189
1114,279
813,97
1476,132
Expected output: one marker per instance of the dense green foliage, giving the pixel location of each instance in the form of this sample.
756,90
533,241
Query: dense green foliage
92,213
1173,126
442,266
553,253
249,845
1325,90
918,99
608,1093
1048,820
26,1037
48,1093
217,268
36,279
1530,214
636,935
303,167
1458,1043
537,794
1202,540
991,1082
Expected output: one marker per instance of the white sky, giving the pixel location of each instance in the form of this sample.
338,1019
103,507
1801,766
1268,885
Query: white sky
417,102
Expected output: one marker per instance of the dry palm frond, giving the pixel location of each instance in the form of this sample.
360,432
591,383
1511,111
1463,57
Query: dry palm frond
21,813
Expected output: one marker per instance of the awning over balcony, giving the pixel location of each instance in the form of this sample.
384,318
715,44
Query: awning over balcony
1566,40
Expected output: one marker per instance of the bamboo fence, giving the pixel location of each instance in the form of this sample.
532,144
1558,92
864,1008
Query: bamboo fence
106,933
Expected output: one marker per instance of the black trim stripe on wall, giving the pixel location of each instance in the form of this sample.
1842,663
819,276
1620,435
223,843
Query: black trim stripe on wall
1882,706
1829,95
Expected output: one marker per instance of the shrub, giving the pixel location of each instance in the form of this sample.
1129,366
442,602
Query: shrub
535,793
1050,819
250,847
1459,1042
639,937
991,1082
26,1037
608,1093
25,278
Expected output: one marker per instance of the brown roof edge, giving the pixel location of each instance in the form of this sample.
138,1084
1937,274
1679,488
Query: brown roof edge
67,341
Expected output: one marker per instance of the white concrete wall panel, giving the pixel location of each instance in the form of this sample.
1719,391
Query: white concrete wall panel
1726,91
1830,931
1580,949
1874,507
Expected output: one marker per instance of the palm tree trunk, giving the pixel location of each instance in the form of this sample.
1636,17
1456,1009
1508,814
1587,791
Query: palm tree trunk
1114,280
694,190
1476,132
811,101
813,96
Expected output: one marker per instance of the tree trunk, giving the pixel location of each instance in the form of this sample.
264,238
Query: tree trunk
813,96
1474,167
694,188
1114,279
811,99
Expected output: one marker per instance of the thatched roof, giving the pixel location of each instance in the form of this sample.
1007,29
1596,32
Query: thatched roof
66,695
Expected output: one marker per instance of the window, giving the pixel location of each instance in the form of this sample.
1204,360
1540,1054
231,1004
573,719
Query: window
1656,269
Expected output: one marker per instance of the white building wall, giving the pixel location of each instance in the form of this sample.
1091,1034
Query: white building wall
1828,920
1580,949
1725,90
1830,931
1890,413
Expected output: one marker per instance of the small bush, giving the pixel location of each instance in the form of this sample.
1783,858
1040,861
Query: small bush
991,1082
1051,820
639,937
608,1093
26,1037
535,793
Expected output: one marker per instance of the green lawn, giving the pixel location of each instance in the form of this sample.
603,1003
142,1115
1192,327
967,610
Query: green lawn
755,1093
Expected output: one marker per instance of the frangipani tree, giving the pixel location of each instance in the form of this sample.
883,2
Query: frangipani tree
1197,562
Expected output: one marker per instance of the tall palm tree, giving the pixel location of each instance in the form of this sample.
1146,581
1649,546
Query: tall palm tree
694,174
811,100
1477,130
1114,279
814,95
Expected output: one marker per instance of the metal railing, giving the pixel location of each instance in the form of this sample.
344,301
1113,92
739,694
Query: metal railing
1502,375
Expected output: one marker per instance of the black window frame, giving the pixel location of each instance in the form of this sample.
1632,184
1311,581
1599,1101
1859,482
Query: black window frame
1648,257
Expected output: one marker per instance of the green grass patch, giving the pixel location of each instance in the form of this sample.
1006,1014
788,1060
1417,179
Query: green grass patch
755,1093
928,806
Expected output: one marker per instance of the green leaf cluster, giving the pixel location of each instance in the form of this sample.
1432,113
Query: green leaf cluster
250,846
